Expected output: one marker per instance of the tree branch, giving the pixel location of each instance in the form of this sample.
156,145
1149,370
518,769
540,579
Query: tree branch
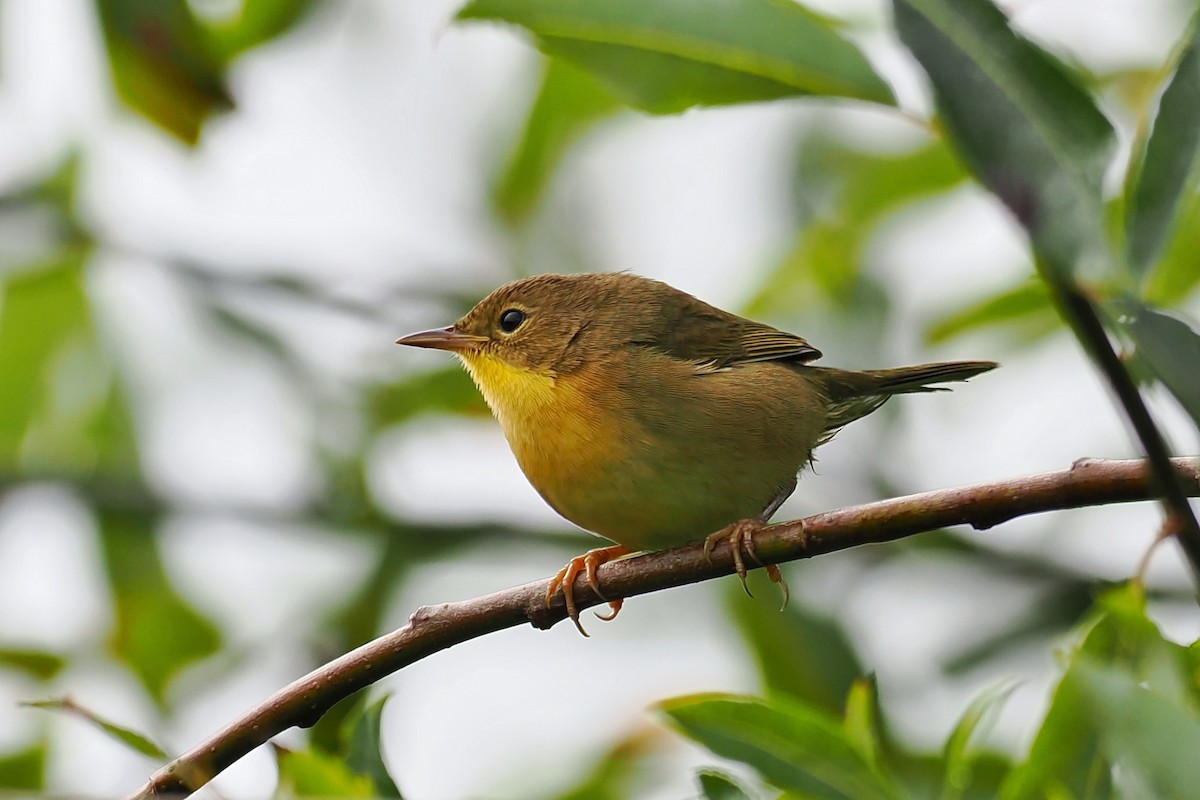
1180,521
1088,482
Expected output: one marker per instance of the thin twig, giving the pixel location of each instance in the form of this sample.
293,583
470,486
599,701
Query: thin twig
1088,482
1181,518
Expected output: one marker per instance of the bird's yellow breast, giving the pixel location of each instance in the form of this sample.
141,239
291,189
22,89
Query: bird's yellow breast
552,425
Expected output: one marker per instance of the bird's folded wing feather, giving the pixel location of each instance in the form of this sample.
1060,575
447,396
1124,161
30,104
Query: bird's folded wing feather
714,339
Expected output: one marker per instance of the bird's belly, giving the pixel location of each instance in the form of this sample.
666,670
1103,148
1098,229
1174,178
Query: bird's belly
613,480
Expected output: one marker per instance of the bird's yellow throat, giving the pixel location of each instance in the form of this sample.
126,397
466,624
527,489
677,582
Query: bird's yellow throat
516,395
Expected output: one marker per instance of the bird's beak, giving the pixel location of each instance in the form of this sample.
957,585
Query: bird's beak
444,339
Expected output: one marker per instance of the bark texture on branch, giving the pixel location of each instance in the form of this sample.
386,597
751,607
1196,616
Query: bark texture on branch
1089,482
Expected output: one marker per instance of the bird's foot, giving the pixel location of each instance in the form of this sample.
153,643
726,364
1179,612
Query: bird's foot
587,563
740,536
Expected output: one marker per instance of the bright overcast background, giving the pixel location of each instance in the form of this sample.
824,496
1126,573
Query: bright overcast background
359,157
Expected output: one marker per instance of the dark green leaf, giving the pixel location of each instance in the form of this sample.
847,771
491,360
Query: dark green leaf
1170,165
1169,347
668,55
157,633
716,785
38,663
1178,272
958,758
312,773
365,748
799,652
24,769
568,104
1027,130
793,747
1143,733
130,738
162,65
1025,310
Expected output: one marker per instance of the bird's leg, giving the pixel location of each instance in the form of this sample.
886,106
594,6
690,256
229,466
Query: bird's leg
740,536
587,563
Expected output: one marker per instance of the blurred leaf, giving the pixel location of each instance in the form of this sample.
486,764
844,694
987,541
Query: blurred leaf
43,312
24,769
157,632
568,104
256,22
798,652
1067,758
845,194
1066,603
1178,271
1168,171
126,736
1170,347
958,758
448,390
38,663
161,65
667,55
794,747
311,773
1028,131
365,747
1143,732
614,775
864,725
717,785
1025,310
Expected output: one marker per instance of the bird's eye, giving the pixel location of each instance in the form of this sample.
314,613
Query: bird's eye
511,319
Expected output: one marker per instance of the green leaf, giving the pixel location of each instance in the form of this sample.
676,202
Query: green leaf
157,632
448,390
794,747
668,55
24,769
843,195
717,785
38,663
256,22
162,65
1024,310
1027,130
1169,170
1169,347
798,652
958,759
1068,757
569,103
312,773
1176,275
1143,733
614,775
365,748
127,736
44,312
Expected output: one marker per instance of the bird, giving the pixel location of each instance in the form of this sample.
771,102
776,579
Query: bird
653,419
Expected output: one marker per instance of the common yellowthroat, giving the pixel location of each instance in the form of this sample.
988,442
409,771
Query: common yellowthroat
652,418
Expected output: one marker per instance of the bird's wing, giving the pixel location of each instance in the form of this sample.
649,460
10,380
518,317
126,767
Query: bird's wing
713,339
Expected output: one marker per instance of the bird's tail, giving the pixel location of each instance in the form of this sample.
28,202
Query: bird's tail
852,395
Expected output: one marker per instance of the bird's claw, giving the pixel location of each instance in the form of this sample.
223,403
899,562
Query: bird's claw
587,563
740,536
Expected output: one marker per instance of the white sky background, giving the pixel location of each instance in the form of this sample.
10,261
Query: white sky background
360,155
